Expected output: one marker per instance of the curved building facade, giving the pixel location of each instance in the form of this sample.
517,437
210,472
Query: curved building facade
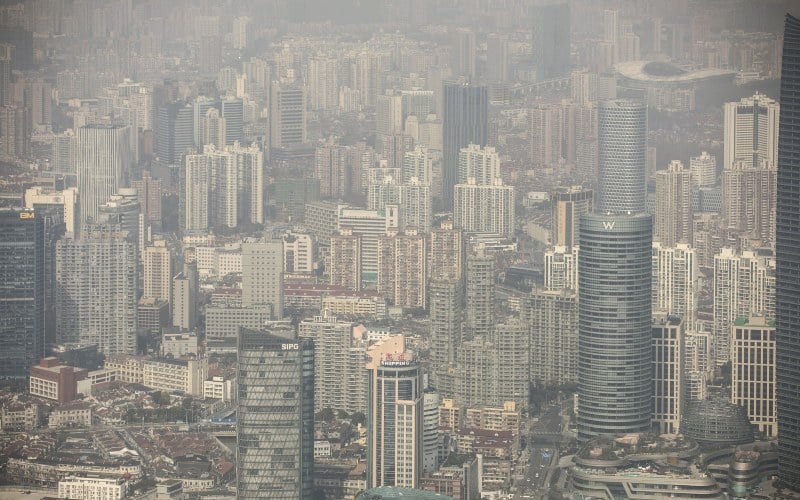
615,387
621,153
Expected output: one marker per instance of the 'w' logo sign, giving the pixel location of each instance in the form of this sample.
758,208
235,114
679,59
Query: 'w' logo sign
608,225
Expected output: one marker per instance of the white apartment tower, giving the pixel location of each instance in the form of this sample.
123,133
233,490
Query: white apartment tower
103,160
751,131
262,275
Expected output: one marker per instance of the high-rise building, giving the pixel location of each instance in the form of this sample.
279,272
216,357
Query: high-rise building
787,248
394,415
212,128
27,249
753,371
465,122
415,205
481,164
561,268
403,268
103,160
668,369
749,195
744,285
622,145
345,259
65,201
149,191
333,342
615,384
484,209
275,419
262,275
568,205
446,322
232,111
552,317
675,281
97,275
704,170
332,169
497,58
184,298
158,274
323,83
370,225
551,40
389,114
197,192
480,296
512,369
463,53
546,125
751,131
175,132
447,251
287,116
673,219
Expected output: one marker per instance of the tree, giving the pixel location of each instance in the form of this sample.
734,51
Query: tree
325,415
358,418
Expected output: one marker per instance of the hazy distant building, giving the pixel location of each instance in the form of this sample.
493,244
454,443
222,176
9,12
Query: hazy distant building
622,144
512,376
615,384
174,132
446,317
184,298
103,160
551,40
275,420
150,192
749,195
497,58
481,164
674,215
370,225
751,131
465,122
157,278
546,123
287,116
480,292
704,170
463,53
447,251
402,269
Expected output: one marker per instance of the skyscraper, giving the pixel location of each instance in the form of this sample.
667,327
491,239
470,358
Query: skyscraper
394,415
673,220
480,294
614,348
788,260
551,40
446,322
751,131
26,247
275,419
103,160
287,116
668,372
465,122
622,141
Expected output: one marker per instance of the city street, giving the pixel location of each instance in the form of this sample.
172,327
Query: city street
534,478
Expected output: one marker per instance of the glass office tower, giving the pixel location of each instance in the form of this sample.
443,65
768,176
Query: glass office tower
465,121
275,416
622,145
615,385
788,261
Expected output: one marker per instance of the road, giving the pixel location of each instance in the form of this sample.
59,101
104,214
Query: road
533,476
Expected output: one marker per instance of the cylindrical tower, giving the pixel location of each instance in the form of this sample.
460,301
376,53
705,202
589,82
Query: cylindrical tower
615,387
621,148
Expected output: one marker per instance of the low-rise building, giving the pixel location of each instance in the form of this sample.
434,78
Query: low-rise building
219,388
94,487
177,343
176,375
19,417
77,414
51,379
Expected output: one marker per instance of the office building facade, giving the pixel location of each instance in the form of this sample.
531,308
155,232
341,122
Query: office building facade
465,122
275,419
788,260
103,162
614,348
